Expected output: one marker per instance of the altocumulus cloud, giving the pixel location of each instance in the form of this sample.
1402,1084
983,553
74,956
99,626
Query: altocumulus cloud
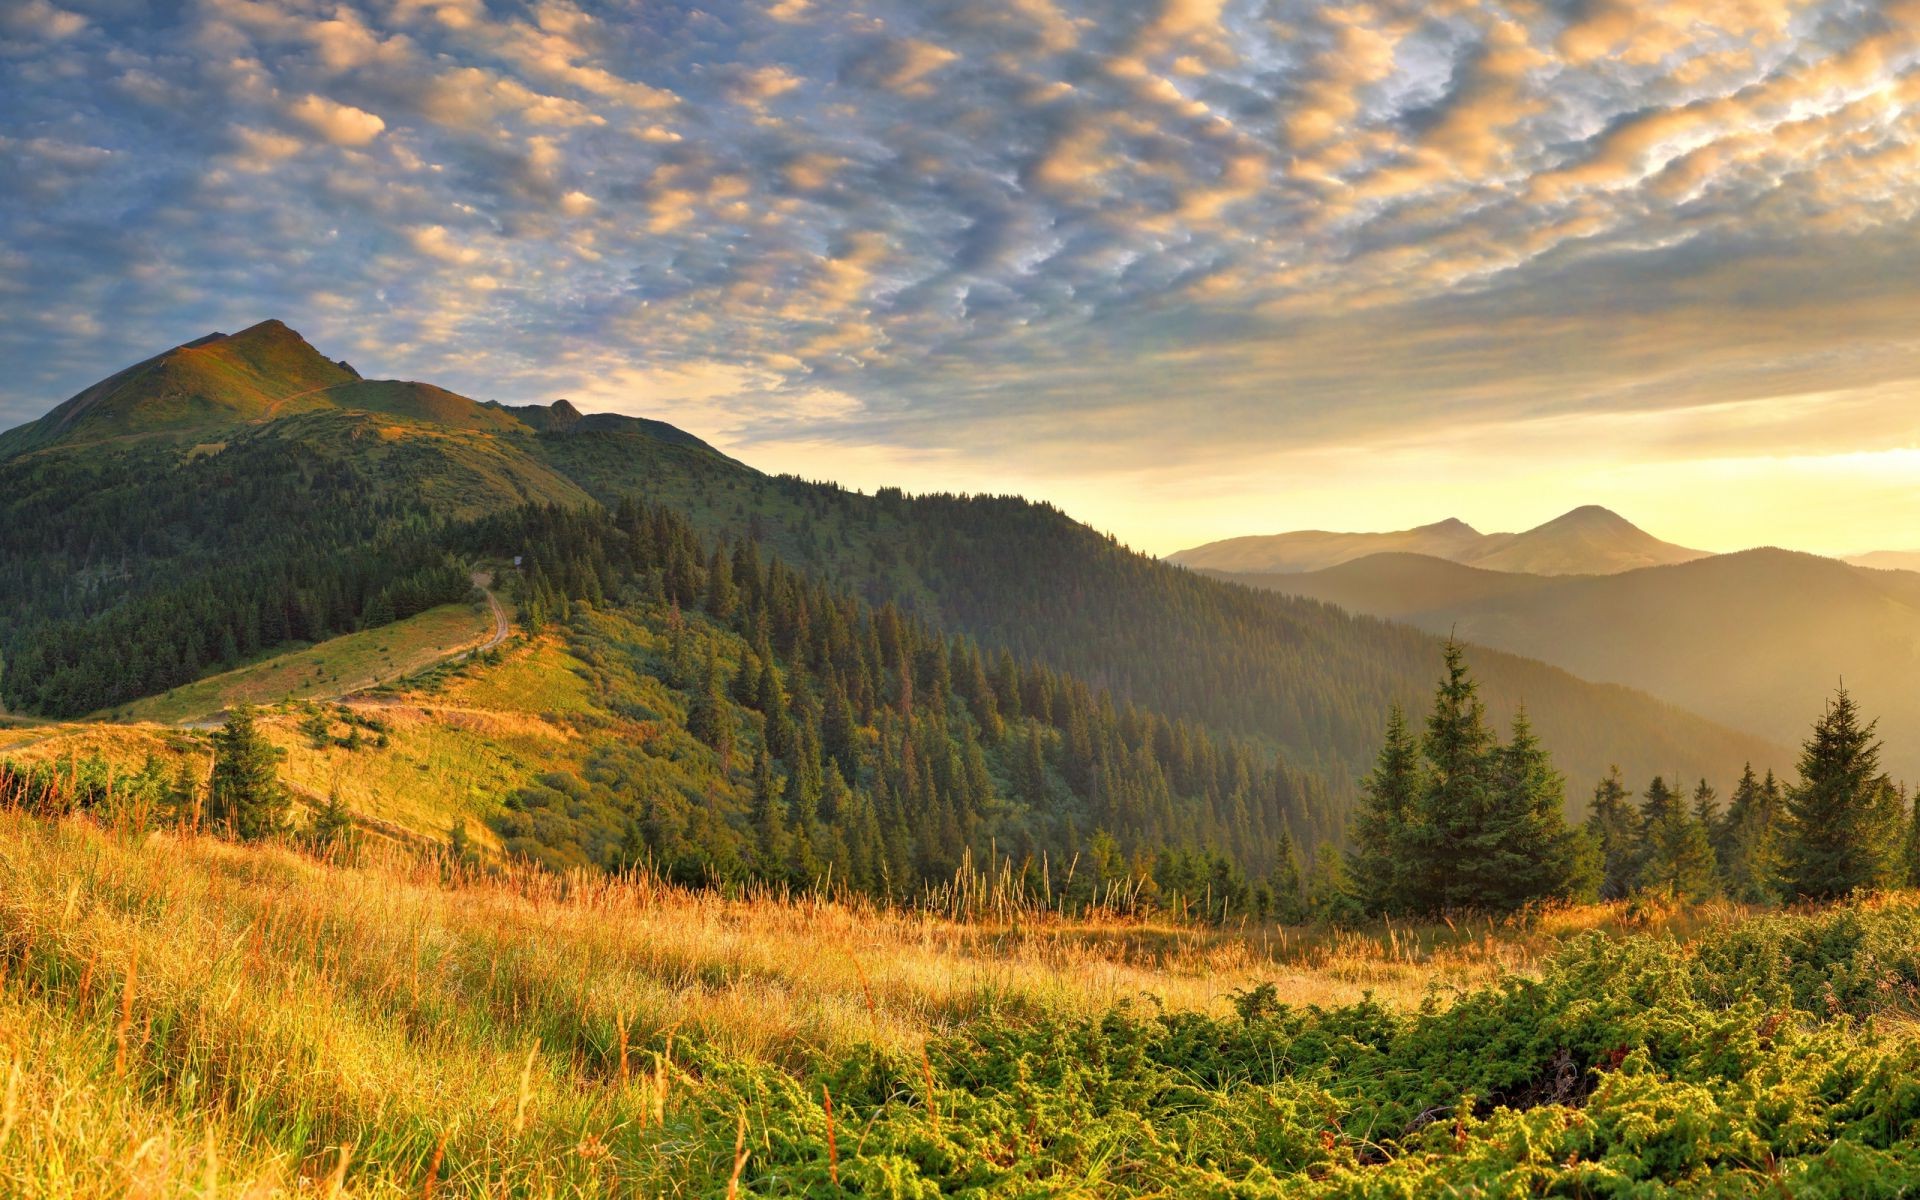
1016,231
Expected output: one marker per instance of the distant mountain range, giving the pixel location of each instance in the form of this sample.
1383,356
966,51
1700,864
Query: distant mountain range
1587,541
1887,560
1757,639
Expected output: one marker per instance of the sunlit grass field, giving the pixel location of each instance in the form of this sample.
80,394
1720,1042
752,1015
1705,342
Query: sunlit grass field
332,668
183,1016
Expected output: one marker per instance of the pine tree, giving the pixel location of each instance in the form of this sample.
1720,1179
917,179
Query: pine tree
183,796
1706,810
1613,830
247,798
1523,852
332,825
1379,865
1289,891
1459,752
708,717
768,821
1840,834
1752,867
1676,857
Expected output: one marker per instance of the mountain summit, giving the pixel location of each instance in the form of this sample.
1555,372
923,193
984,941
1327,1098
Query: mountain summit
1590,540
207,389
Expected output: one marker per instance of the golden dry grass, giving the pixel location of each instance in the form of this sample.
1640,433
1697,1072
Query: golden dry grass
183,1016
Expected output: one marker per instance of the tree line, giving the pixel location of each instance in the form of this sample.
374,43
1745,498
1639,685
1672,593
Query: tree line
1454,818
126,573
852,741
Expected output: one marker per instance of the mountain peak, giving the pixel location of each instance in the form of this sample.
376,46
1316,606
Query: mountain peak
1452,525
1590,514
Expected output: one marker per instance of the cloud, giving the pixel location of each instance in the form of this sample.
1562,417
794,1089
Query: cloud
435,242
39,19
1006,238
341,124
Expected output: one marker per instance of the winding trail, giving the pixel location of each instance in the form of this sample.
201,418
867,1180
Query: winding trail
502,629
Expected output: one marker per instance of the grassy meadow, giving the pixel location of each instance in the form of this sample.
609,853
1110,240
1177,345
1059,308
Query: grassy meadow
332,668
183,1016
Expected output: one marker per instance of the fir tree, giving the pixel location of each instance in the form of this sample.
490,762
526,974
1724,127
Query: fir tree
1522,851
1380,864
708,717
768,821
1459,751
1841,831
1613,831
246,798
1289,890
1751,869
1676,856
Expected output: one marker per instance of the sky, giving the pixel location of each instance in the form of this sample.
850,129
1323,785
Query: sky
1189,268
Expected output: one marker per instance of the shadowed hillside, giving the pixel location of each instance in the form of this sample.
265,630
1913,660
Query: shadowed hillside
1754,639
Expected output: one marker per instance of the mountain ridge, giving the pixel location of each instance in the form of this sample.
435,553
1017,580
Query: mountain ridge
1757,639
278,511
220,382
1589,540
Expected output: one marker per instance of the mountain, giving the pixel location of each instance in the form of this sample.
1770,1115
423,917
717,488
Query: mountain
1587,541
210,383
1757,640
1887,560
1315,549
136,556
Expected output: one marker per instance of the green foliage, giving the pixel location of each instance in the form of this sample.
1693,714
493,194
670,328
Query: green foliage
1844,817
1628,1068
883,753
1612,830
1471,823
1676,853
246,798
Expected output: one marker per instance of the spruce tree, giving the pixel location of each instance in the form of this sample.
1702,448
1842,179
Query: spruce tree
768,821
1523,851
1676,856
708,717
1613,830
1289,890
1379,866
1841,831
247,799
1459,751
1752,867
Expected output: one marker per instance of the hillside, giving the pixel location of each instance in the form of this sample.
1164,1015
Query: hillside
259,539
1756,640
1586,541
1887,560
184,1016
202,387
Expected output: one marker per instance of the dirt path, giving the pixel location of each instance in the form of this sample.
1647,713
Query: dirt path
273,407
502,629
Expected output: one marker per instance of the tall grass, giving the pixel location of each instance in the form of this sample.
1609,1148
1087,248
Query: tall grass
182,1016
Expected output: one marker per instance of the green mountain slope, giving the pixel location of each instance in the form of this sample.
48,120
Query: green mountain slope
169,553
204,386
1756,639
